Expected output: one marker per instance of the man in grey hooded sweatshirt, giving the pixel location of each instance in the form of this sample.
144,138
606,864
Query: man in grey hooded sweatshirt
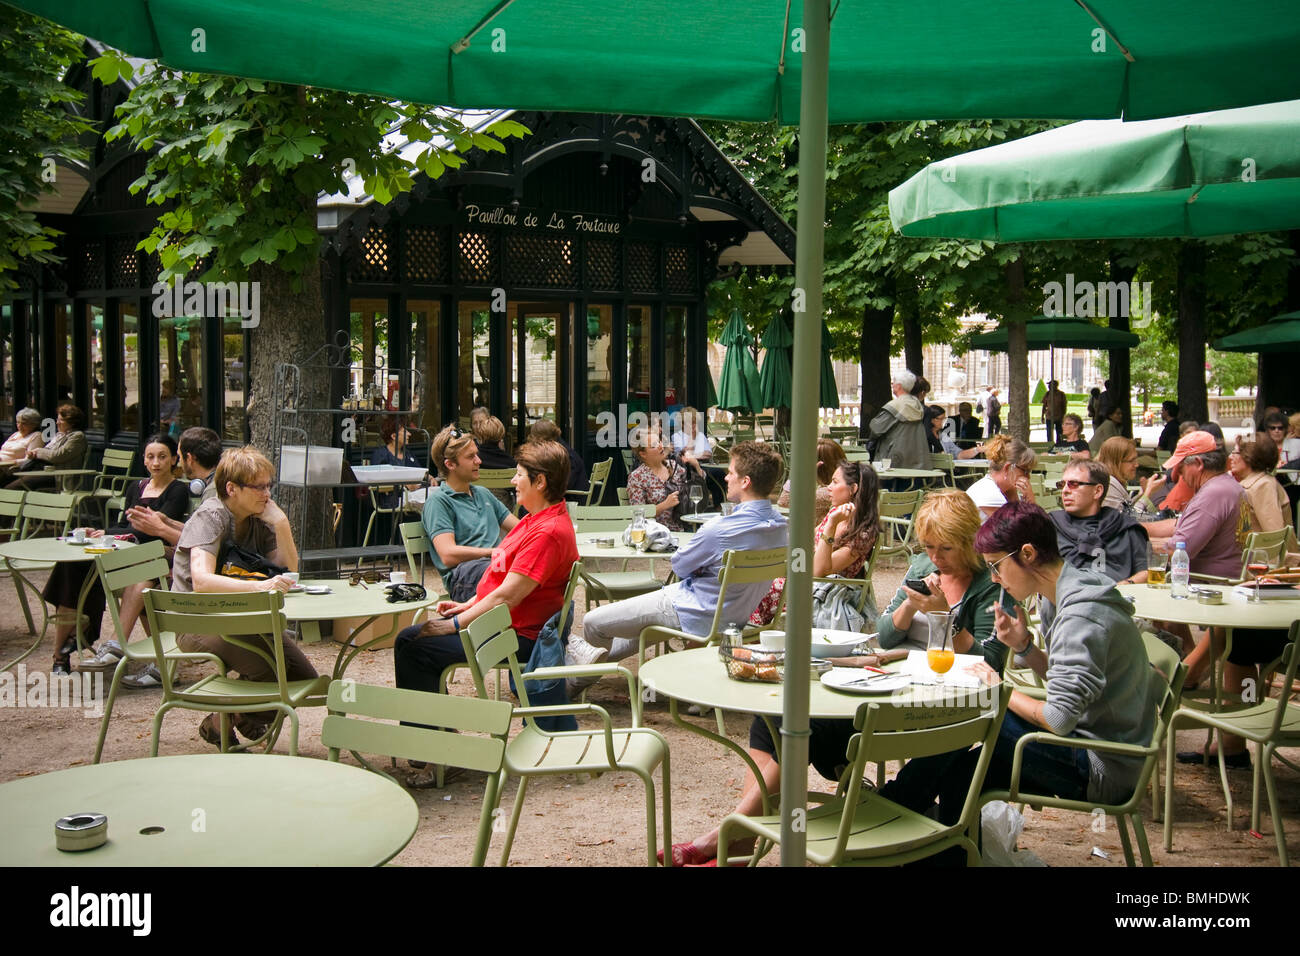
899,427
1100,684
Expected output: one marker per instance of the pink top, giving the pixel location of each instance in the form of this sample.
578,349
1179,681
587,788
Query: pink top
1209,527
861,551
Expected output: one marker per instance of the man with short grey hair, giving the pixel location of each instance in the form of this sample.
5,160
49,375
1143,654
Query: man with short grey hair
1093,537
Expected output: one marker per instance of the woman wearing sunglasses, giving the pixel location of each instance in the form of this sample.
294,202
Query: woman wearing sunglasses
528,573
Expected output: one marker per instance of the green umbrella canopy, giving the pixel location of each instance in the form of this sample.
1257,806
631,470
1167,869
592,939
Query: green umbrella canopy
1205,174
776,377
829,395
1046,332
738,390
1279,334
889,59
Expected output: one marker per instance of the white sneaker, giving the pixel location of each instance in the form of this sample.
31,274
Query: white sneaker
581,653
110,652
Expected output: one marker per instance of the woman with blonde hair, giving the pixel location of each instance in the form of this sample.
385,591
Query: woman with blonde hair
1010,461
829,458
1120,457
956,576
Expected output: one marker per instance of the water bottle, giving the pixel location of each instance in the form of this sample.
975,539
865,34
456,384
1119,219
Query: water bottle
731,637
1180,572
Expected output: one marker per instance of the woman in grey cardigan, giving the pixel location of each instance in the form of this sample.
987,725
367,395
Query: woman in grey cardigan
1099,680
67,450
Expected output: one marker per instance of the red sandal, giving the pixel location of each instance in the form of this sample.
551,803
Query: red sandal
686,854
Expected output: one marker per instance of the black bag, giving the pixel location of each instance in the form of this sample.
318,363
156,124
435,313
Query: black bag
683,488
239,562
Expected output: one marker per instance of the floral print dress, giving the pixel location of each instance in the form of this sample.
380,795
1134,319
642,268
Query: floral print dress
644,487
862,547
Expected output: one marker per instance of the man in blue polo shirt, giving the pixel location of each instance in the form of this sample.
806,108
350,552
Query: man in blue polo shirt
464,522
755,525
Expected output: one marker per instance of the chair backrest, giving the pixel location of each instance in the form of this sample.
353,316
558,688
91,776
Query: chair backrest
597,480
416,543
243,619
605,512
119,570
42,507
11,507
489,641
888,733
349,701
1274,542
116,462
495,477
623,498
747,567
900,504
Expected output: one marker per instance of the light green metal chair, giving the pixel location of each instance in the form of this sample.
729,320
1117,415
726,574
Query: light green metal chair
108,490
1167,675
118,571
499,480
246,620
11,521
608,586
47,512
857,826
418,548
490,641
897,523
596,482
402,507
1271,723
943,462
472,735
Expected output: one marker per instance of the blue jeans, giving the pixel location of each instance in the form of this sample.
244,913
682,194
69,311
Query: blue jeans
1047,769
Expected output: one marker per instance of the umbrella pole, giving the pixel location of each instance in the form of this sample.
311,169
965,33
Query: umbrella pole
803,425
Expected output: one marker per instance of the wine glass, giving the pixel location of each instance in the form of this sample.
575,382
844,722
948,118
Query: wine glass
938,652
1257,565
696,495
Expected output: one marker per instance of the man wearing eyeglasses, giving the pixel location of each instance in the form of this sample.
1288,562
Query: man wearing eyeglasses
1096,538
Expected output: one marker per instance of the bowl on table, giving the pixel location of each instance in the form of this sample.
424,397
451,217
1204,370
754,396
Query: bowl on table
828,643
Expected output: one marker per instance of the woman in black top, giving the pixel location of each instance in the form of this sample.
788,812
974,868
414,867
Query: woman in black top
163,492
1072,429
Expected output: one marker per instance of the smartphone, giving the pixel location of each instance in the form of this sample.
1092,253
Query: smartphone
916,584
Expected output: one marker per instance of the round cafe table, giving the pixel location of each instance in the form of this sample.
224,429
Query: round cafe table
698,676
211,810
42,552
348,601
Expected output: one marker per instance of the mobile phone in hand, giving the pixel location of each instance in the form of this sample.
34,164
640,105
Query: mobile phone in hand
916,584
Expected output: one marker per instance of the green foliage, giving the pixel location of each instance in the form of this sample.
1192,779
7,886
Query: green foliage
38,130
246,160
1230,371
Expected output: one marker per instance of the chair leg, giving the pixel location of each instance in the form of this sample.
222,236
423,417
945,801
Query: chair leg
651,842
1122,826
485,818
22,601
1170,763
1144,850
293,733
668,814
157,729
118,672
514,820
1279,833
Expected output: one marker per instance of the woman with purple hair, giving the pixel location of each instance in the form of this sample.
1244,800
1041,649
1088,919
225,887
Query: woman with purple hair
1096,671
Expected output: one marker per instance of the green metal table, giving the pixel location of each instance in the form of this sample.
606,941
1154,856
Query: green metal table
211,810
42,552
347,601
698,676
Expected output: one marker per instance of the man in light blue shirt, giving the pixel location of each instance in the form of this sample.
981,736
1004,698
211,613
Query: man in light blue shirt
614,630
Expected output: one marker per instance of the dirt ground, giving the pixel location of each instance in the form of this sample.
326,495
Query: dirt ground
582,822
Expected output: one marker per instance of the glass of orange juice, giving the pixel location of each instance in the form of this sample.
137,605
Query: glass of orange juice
939,653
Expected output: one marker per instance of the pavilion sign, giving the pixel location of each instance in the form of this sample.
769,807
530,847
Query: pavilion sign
477,215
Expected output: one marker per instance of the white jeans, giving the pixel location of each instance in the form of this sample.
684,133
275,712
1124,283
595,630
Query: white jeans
618,626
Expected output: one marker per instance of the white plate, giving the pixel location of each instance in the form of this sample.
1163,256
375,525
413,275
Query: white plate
828,643
850,680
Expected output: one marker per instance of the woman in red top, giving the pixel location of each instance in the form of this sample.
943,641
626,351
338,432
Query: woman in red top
528,574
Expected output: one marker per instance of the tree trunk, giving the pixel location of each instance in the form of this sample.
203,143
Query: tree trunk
1278,383
1191,332
913,355
291,328
873,357
1120,378
1016,408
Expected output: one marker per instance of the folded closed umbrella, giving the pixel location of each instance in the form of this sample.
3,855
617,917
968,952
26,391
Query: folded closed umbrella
775,378
738,390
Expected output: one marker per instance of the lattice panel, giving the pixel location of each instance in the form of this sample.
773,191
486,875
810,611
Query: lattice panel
642,267
123,263
540,262
478,262
376,260
604,269
680,270
90,266
426,256
152,267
